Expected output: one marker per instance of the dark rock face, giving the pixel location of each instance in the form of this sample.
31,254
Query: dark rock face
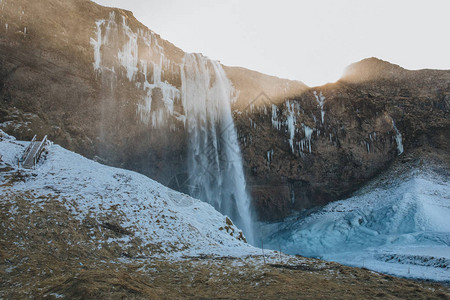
53,82
356,140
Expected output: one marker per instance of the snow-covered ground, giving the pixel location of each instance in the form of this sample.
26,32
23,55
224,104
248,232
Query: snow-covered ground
174,223
399,226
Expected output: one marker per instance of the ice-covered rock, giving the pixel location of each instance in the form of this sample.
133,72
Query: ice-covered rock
401,228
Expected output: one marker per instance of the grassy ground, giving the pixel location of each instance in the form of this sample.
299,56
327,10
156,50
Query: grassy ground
45,253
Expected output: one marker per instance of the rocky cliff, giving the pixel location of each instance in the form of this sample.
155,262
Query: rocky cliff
100,83
325,143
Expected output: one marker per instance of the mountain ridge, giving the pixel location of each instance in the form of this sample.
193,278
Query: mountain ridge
374,68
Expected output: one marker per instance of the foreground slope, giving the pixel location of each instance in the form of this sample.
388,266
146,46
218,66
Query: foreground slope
75,229
148,216
399,224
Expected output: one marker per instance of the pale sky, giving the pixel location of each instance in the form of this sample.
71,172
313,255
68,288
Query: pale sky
312,41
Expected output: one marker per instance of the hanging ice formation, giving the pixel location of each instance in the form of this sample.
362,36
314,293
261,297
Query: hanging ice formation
307,140
214,159
292,110
136,55
290,122
320,101
398,139
275,123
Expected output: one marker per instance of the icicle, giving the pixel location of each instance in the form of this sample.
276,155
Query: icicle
144,69
269,156
321,101
97,44
275,122
291,124
398,139
128,57
308,133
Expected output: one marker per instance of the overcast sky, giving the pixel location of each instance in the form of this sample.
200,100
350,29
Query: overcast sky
312,41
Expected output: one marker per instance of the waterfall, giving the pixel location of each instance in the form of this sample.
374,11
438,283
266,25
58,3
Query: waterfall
214,158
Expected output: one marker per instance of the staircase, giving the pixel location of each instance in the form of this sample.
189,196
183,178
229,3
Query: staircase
33,152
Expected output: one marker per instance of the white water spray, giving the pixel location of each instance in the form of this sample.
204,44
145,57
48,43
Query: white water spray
214,157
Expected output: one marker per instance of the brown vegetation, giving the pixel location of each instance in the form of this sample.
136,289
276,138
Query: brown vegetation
46,253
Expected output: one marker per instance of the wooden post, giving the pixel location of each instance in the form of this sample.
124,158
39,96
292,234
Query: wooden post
279,247
262,248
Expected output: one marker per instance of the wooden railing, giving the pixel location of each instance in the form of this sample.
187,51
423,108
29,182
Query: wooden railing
39,151
27,149
33,153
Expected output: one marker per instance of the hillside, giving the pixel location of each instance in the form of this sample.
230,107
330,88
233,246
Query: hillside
73,228
149,219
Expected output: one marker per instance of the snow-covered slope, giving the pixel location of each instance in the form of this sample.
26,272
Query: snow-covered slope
399,226
174,224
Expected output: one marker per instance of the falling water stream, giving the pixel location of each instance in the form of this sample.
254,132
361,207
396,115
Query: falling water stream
214,158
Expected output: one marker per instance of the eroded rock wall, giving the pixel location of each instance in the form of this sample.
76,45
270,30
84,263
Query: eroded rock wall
328,141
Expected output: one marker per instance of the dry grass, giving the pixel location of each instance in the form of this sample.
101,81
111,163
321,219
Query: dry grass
46,253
